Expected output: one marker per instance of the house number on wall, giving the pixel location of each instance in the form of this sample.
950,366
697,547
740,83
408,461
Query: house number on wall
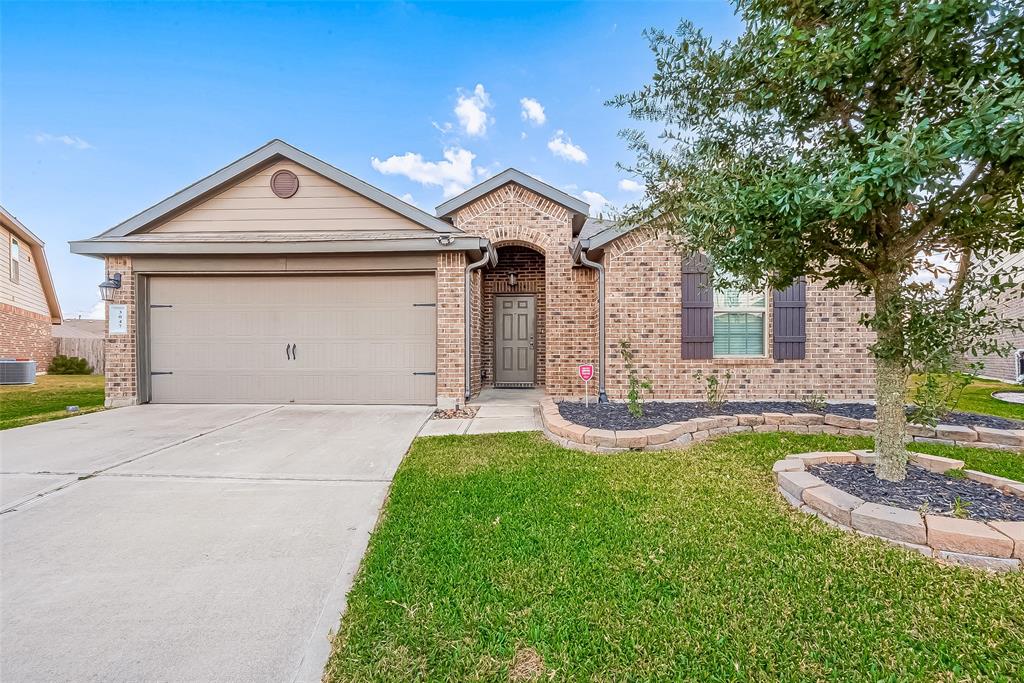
118,319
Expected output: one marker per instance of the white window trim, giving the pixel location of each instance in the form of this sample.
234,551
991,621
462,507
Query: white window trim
743,309
14,260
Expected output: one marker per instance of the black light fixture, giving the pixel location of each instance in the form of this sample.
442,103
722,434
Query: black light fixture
511,279
108,286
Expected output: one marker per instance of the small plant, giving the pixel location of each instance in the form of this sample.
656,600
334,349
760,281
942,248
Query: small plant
69,365
635,384
956,474
938,395
815,402
715,390
960,508
924,509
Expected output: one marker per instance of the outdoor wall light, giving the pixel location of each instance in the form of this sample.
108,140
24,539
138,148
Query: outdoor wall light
108,286
511,279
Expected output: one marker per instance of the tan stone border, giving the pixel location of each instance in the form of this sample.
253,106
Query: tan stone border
997,546
686,432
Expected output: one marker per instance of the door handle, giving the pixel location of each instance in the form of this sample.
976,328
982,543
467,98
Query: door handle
288,351
294,356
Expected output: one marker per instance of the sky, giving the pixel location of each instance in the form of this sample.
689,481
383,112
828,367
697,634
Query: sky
108,108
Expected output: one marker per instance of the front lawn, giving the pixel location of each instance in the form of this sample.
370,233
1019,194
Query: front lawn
47,399
977,398
504,557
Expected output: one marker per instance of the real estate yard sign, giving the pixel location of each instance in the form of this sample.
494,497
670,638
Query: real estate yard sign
586,374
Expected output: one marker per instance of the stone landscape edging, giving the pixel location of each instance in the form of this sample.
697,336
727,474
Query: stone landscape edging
686,432
992,545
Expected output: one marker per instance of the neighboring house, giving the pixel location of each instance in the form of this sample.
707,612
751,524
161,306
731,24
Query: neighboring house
1007,368
283,279
84,338
28,301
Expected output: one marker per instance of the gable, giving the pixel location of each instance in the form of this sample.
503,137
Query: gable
320,204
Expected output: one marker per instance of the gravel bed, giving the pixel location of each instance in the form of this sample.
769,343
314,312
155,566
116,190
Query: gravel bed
616,416
923,488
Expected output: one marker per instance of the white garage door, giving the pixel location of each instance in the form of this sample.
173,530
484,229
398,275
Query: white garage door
293,339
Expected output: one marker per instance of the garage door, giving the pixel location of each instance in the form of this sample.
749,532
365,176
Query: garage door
293,339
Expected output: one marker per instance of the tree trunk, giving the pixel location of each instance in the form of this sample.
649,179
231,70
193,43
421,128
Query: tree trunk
890,387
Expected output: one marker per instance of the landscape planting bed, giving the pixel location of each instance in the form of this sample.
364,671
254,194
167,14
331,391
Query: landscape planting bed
827,484
670,425
656,413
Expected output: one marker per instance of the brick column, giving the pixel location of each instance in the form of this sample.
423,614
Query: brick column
121,361
451,269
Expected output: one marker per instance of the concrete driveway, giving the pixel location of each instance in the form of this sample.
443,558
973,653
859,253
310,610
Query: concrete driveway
188,543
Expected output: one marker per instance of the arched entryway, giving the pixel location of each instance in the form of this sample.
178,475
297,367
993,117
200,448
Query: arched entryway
514,309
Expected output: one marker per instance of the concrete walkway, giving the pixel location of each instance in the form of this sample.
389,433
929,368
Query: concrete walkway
498,410
188,543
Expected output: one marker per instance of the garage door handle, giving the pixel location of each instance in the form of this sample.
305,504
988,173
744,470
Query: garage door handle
294,355
288,351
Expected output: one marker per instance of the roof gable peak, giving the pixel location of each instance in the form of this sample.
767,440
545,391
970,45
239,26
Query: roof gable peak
512,175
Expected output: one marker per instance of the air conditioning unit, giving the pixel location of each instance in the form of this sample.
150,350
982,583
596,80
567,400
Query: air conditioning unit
17,371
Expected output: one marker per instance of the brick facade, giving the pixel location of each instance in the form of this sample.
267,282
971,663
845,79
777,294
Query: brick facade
121,373
515,216
643,287
25,334
451,267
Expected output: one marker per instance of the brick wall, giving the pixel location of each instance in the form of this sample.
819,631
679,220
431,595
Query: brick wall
644,302
121,373
528,266
25,334
451,267
1005,367
515,216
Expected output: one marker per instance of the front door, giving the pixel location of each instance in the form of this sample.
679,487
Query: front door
513,341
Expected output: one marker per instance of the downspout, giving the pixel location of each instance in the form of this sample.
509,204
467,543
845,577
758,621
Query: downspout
602,396
468,307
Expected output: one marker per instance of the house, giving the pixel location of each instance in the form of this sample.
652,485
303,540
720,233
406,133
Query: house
1008,368
283,279
28,301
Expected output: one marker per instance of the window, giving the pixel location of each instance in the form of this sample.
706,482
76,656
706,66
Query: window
15,259
739,322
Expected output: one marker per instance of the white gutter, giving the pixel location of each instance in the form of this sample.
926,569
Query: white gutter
467,305
602,395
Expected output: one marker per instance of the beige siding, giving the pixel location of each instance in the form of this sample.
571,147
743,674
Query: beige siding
27,293
281,264
320,204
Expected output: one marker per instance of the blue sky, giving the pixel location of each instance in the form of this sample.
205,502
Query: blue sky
108,108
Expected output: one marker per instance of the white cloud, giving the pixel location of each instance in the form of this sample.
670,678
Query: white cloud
69,140
596,200
561,146
522,136
628,185
97,312
453,175
533,111
472,111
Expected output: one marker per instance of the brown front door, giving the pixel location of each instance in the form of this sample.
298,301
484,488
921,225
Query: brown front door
513,341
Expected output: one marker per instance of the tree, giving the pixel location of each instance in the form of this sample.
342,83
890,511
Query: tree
858,142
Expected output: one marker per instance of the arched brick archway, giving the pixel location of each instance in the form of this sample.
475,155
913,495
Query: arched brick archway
526,260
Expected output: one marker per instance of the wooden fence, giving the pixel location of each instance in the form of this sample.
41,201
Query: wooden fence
89,348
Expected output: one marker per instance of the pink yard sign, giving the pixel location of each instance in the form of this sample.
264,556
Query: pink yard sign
586,372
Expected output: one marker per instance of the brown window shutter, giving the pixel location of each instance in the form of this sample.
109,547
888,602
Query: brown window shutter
789,329
698,315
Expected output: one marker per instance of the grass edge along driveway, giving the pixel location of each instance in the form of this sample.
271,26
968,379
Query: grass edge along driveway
505,557
48,398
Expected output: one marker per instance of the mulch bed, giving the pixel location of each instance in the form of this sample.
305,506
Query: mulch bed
464,412
923,491
616,416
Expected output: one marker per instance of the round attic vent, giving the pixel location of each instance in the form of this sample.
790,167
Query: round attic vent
284,184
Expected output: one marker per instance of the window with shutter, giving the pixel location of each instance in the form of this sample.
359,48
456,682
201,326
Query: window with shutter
789,328
698,309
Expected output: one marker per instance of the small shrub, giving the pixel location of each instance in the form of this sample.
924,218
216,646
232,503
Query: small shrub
815,402
636,384
69,365
938,395
715,390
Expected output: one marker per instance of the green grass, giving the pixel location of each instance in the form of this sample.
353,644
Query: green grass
683,565
48,398
977,398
